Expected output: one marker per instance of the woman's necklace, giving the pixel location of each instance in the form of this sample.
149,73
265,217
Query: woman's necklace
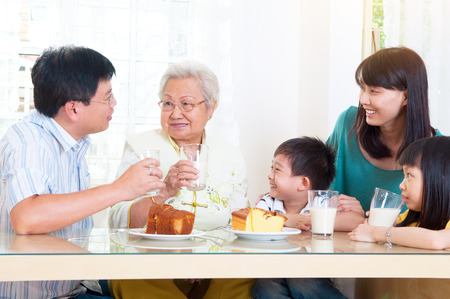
174,145
394,163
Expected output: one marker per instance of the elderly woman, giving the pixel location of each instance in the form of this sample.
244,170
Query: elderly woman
188,95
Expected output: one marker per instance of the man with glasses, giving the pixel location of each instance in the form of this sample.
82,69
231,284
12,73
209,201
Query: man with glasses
45,178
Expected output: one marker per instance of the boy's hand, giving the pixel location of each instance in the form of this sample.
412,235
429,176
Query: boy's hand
299,221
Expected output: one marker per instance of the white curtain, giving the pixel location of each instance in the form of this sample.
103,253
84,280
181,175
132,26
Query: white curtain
212,46
141,37
9,62
424,26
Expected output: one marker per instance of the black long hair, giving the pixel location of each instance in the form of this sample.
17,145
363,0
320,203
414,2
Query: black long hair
431,155
396,69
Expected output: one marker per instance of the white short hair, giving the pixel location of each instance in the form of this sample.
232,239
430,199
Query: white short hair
193,69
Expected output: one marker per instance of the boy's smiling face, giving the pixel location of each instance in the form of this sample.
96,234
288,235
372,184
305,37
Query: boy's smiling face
283,185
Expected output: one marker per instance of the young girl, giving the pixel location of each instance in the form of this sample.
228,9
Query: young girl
426,192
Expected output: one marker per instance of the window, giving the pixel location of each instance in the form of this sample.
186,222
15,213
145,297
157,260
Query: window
424,26
140,37
378,23
373,33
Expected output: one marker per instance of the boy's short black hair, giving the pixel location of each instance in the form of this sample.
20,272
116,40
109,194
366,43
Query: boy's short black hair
67,74
310,157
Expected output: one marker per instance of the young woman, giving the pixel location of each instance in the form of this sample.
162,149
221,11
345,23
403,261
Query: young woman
392,113
426,192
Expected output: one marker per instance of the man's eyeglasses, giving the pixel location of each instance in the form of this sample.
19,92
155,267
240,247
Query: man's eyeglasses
184,105
111,101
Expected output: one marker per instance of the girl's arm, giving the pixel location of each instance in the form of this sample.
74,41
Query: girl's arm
406,236
346,221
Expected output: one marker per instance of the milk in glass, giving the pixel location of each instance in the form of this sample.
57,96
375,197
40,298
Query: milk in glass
322,220
383,216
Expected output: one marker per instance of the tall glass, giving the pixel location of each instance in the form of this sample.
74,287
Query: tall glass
323,206
197,153
141,155
322,245
384,208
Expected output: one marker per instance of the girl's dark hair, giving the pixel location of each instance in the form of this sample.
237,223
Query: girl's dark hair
312,158
67,74
431,155
396,69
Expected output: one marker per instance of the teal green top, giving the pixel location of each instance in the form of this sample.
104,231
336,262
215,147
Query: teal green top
355,176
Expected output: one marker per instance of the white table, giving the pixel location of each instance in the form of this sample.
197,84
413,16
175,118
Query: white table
101,255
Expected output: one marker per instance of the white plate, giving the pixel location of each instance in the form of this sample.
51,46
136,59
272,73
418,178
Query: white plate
262,246
172,244
265,236
141,233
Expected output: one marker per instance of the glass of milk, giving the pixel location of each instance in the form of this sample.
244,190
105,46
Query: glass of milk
197,153
384,208
322,245
141,155
322,206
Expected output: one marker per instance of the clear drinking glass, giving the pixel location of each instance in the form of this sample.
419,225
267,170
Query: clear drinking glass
384,208
197,153
141,155
322,245
323,207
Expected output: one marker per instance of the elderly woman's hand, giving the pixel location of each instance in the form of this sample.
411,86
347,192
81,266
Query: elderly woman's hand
178,176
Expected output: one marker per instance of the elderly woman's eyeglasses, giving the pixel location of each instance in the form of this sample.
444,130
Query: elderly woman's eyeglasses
183,105
111,101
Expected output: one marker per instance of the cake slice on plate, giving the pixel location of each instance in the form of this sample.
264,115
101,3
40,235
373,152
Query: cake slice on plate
166,220
257,220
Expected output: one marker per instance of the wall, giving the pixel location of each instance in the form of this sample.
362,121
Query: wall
292,65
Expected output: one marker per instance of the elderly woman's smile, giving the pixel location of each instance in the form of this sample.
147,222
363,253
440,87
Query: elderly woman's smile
178,125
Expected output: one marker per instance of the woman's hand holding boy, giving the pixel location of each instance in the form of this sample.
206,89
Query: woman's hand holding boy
299,221
349,204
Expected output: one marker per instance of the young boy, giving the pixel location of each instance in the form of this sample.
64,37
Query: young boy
299,165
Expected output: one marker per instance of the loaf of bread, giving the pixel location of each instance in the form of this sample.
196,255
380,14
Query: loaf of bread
257,220
166,220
